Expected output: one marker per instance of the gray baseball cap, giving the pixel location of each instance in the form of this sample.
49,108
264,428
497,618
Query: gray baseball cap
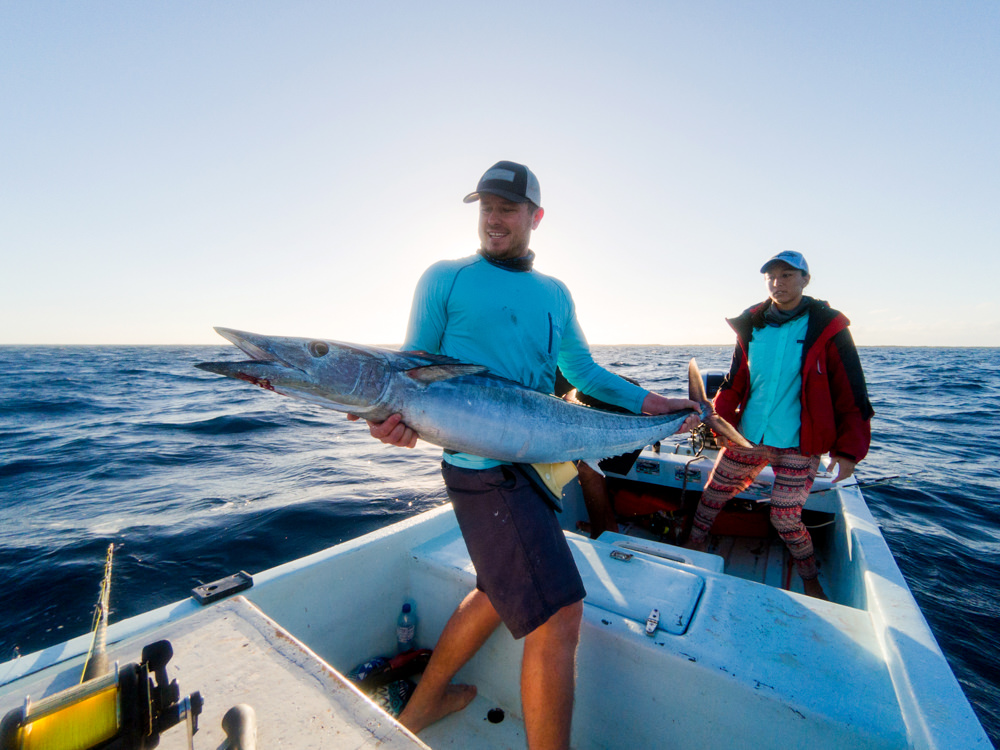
509,180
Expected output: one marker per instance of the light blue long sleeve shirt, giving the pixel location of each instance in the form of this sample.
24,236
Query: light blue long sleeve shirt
519,324
773,414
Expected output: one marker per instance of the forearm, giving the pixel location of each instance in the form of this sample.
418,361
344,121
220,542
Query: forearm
580,369
655,403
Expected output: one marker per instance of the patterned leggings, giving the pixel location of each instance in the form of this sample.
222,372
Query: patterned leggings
735,470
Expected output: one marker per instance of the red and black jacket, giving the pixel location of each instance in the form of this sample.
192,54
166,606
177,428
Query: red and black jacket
836,412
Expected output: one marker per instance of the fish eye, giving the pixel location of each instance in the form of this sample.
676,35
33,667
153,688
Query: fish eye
319,348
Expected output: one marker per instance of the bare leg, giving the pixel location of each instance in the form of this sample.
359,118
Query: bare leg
698,545
548,678
595,496
472,623
813,588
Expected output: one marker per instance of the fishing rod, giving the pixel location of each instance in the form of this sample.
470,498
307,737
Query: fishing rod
748,504
871,482
97,658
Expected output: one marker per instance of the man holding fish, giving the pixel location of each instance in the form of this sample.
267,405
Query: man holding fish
493,309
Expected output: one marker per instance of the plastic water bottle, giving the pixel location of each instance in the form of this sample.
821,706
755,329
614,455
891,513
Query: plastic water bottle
406,629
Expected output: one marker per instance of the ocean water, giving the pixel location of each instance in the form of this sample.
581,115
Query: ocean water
194,477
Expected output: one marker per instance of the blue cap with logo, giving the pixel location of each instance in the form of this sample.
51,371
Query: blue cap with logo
509,180
792,258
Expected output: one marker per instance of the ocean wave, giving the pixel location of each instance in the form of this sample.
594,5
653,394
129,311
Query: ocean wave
220,425
48,465
27,408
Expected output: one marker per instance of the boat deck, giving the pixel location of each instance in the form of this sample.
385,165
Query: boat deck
743,538
708,641
234,654
763,559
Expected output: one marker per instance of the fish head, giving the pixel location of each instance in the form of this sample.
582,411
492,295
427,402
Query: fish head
333,374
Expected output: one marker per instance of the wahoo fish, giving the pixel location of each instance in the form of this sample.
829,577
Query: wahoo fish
455,405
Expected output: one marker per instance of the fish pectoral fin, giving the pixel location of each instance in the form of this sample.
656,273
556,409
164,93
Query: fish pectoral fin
436,373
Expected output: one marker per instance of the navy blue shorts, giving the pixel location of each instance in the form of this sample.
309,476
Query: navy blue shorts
523,562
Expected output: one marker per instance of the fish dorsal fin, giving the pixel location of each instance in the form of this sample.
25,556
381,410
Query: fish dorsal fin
696,386
436,373
433,368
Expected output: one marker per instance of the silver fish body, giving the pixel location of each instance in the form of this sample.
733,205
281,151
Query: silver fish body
458,406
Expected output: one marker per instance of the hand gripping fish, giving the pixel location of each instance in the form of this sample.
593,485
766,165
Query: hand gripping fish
456,405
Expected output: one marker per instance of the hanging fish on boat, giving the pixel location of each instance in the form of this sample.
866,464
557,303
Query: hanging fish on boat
455,405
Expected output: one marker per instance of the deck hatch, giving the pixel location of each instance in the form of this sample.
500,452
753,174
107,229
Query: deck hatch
634,587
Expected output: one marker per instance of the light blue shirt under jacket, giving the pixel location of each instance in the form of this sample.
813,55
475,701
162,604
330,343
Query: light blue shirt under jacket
519,324
773,413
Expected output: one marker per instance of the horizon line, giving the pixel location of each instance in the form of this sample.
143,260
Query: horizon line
396,346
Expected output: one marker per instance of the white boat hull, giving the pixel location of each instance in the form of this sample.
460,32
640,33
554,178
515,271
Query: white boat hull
735,663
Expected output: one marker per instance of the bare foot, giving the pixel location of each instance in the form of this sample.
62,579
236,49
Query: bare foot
423,711
698,546
813,588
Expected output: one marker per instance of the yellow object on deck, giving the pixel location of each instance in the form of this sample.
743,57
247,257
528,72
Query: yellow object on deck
80,718
77,727
556,476
122,709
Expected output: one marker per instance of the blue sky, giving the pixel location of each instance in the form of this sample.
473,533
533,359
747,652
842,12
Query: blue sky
291,168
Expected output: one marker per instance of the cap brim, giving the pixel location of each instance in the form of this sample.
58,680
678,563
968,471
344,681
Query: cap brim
763,268
473,197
